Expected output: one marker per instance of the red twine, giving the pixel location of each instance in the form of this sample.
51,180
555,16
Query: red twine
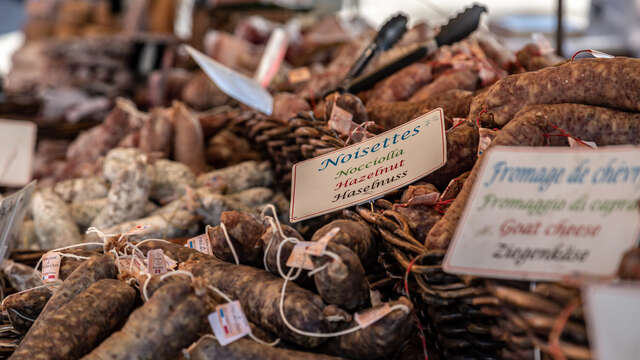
439,205
564,133
423,339
483,111
558,326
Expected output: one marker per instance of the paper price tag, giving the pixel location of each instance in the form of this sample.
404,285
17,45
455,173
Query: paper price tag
156,264
299,75
51,266
17,144
573,143
299,257
368,169
200,243
340,120
171,264
229,323
317,247
370,316
613,319
548,213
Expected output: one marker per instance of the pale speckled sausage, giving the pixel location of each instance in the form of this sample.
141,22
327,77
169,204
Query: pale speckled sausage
240,177
602,125
602,82
53,222
79,325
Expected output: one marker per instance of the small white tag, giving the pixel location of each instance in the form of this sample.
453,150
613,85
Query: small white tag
317,247
233,83
229,323
299,75
547,213
171,264
613,319
340,120
299,257
17,143
370,316
183,24
200,243
156,264
429,199
272,57
51,266
583,144
486,137
369,169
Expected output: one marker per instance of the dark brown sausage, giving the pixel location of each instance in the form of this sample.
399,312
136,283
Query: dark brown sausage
81,324
159,329
24,307
342,282
259,294
401,85
208,348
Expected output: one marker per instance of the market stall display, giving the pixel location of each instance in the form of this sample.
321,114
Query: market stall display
164,231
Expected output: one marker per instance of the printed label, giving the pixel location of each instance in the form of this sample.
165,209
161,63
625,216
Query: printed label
299,75
613,320
370,316
229,323
233,83
51,266
299,257
156,264
17,144
429,199
317,247
12,211
200,243
272,57
547,213
369,169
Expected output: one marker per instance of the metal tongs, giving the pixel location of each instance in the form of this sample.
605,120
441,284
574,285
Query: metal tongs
455,30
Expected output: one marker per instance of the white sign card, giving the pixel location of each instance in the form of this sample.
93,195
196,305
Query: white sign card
12,211
233,83
17,144
369,169
548,213
613,320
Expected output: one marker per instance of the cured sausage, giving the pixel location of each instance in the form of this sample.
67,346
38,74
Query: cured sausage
602,125
602,82
79,325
